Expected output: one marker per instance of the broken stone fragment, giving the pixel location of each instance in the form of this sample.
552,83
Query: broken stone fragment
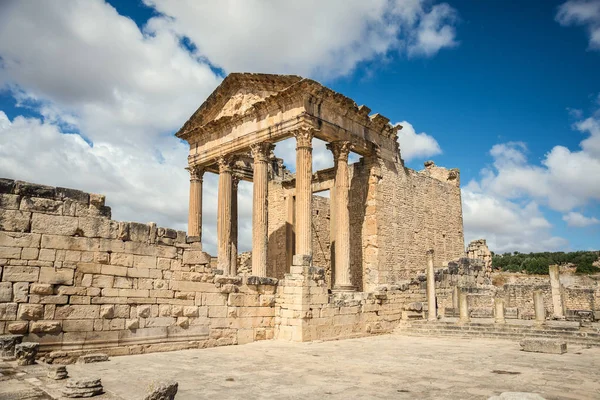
92,358
162,390
78,388
8,344
259,280
544,346
26,352
58,372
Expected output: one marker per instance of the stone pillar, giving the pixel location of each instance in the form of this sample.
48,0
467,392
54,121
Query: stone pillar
557,303
463,305
455,298
431,306
304,191
235,180
195,206
538,305
224,215
260,232
341,231
499,310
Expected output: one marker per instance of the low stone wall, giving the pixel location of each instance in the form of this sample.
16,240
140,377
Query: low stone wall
74,280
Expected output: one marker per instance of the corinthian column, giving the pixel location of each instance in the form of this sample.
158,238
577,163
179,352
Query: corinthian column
235,180
195,206
303,191
260,153
224,215
340,150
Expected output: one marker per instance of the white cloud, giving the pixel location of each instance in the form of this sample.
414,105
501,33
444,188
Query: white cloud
507,225
582,12
579,220
310,37
416,145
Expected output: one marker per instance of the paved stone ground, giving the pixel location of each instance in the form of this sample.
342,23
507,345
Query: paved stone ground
381,367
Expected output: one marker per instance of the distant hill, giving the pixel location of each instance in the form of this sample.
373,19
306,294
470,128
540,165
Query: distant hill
586,262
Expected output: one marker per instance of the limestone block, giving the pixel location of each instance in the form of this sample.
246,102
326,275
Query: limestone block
30,253
6,185
46,327
139,232
138,272
122,282
89,268
162,391
107,311
49,310
5,292
78,325
159,322
30,312
19,239
73,194
114,270
143,311
9,201
57,299
15,220
122,311
41,288
144,261
41,205
18,327
103,281
544,346
92,358
195,257
217,311
190,311
72,290
101,257
10,252
97,227
79,300
62,276
34,190
132,323
77,312
83,388
52,224
26,352
21,292
214,299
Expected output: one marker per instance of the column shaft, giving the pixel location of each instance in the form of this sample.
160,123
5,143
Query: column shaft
224,216
234,225
463,305
260,216
557,303
499,310
195,205
538,305
431,305
304,192
341,232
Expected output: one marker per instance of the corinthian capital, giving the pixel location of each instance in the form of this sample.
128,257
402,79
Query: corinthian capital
261,151
225,164
196,173
303,137
340,150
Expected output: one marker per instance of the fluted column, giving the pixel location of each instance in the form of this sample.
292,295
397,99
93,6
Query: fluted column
341,233
195,205
304,191
235,180
224,215
260,153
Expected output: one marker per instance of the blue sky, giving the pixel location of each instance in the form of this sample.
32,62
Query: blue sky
505,91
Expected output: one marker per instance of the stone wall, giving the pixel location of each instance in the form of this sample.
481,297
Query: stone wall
73,279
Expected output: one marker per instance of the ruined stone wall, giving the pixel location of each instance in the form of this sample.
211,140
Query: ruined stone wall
321,236
73,279
415,212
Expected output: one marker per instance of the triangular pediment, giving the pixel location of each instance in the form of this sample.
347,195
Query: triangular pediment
236,94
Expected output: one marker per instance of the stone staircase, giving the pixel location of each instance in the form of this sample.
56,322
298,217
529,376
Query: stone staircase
570,332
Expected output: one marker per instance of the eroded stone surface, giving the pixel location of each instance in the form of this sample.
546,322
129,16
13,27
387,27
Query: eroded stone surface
77,388
25,353
544,346
162,390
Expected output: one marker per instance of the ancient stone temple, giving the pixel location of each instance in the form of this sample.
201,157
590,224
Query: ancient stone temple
381,217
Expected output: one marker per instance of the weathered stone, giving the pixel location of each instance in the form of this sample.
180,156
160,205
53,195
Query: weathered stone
41,289
78,388
17,273
258,280
52,224
195,257
92,358
30,312
20,292
25,353
8,344
8,311
10,201
34,190
107,311
40,205
57,372
229,288
73,194
17,327
544,346
61,276
5,292
6,185
46,327
15,220
162,390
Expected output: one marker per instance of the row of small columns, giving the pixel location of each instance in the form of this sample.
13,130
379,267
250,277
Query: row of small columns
227,207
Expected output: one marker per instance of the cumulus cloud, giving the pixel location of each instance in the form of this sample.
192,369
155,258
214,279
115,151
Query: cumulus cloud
584,13
579,220
416,145
311,37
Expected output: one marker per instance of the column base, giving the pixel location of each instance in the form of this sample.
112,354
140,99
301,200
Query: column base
344,288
